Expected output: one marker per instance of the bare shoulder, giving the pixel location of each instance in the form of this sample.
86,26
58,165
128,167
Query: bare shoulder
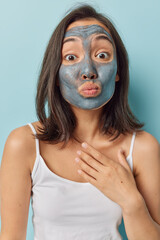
19,136
146,149
146,142
21,143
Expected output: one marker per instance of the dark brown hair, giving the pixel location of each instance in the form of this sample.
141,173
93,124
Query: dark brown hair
60,123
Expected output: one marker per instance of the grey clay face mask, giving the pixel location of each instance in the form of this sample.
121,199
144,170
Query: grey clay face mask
88,84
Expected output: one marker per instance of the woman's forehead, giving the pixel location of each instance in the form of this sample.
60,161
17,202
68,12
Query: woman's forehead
87,31
87,21
85,28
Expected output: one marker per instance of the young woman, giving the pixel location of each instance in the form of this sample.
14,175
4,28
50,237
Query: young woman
90,162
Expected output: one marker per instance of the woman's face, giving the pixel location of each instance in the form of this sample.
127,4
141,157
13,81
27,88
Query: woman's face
88,71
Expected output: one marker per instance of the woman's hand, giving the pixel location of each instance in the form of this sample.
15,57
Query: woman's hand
114,179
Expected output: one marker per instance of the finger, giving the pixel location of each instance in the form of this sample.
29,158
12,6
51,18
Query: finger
90,160
84,166
97,155
122,159
87,177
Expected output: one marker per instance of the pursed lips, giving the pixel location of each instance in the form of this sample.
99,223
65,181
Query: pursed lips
89,89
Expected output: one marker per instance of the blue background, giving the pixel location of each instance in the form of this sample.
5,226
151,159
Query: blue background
25,29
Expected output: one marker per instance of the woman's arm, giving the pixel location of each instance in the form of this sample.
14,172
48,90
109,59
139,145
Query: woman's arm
15,186
142,219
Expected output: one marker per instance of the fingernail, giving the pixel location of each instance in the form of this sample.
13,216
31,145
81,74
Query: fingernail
77,159
84,145
79,152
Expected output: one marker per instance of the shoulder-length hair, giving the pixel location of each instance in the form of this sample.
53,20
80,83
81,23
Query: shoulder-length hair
60,123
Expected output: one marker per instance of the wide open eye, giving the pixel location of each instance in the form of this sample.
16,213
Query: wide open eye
103,55
70,57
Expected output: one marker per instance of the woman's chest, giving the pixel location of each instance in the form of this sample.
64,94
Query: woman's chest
62,161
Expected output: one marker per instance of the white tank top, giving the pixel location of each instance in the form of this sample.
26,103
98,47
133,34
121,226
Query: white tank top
69,210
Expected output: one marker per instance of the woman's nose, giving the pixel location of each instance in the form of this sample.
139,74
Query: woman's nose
86,76
88,70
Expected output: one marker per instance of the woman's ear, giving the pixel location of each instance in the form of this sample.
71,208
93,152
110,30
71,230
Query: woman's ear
117,78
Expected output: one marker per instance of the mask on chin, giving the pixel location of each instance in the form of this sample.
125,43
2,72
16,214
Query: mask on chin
89,83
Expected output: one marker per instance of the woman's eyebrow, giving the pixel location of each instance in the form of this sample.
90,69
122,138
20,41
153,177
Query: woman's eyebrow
105,37
70,40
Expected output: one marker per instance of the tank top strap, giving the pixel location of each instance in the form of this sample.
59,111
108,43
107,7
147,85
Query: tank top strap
36,140
132,144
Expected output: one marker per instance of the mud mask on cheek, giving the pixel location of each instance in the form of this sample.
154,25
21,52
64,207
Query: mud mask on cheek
88,84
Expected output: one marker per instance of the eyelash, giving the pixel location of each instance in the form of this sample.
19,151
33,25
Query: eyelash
69,56
104,53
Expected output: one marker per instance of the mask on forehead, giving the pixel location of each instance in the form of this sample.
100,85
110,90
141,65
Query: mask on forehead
88,84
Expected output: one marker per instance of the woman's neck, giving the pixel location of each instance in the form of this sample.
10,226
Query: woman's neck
87,128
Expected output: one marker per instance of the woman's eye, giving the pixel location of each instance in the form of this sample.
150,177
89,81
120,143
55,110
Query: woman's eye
70,57
103,55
